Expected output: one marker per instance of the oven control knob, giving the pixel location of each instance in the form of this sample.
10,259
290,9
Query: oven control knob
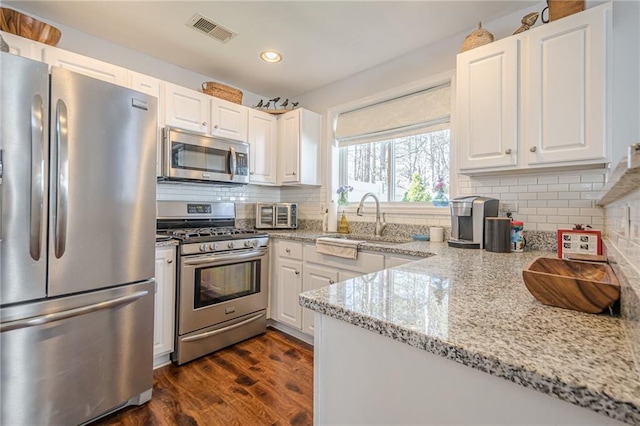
250,243
213,246
203,247
230,245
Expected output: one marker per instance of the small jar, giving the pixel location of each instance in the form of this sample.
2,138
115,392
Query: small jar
517,238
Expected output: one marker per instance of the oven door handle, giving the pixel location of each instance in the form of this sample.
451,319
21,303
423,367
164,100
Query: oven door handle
213,259
223,330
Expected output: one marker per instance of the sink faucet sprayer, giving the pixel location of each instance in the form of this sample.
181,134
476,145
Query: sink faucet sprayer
380,223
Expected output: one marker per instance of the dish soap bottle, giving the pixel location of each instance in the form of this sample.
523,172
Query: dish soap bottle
343,228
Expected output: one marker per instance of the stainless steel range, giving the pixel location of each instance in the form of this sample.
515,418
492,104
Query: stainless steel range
222,277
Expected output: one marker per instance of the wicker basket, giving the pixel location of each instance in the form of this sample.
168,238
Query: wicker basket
23,25
222,91
558,9
477,38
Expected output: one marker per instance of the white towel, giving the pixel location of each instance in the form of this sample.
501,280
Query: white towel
339,247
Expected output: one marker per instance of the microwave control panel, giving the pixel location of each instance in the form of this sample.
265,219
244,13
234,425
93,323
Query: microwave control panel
242,164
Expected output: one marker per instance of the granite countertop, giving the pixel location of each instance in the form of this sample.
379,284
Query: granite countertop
472,306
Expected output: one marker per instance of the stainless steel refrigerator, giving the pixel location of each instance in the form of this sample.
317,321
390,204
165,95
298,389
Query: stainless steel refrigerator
77,193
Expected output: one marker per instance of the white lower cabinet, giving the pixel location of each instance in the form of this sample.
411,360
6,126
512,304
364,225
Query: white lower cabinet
315,277
298,267
164,311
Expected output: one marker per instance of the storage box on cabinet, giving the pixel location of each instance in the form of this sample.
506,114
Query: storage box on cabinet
536,99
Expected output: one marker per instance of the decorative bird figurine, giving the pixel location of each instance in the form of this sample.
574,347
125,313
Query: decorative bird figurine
267,105
294,104
528,21
285,103
275,100
259,104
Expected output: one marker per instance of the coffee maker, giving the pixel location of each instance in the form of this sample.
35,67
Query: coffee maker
467,220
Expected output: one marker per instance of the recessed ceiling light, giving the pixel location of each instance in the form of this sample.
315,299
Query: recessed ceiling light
270,56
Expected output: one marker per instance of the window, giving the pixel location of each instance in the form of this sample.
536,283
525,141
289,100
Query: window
406,169
398,149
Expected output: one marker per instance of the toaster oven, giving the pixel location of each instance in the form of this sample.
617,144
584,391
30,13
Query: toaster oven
276,215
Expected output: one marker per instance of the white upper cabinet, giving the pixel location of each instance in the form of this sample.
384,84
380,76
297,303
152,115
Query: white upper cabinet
565,114
186,109
487,94
85,65
228,120
299,135
537,99
151,86
263,142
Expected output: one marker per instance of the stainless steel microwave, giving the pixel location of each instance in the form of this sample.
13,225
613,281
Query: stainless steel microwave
276,215
188,156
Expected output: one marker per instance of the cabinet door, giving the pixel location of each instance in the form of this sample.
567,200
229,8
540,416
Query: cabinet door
487,102
229,120
289,134
392,261
263,133
289,287
315,277
85,65
185,108
565,112
163,318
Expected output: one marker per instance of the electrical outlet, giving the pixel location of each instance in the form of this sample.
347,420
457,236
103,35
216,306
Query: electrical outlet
508,206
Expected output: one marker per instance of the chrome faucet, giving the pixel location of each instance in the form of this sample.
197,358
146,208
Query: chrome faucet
380,223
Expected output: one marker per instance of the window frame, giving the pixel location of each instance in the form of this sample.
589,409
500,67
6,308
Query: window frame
337,170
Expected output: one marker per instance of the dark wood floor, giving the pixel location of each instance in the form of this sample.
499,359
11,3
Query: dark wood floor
267,380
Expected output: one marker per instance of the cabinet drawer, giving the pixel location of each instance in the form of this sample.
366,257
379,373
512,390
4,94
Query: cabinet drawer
289,249
365,263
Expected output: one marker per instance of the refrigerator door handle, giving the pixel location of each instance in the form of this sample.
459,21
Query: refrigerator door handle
233,161
37,177
1,195
62,179
75,312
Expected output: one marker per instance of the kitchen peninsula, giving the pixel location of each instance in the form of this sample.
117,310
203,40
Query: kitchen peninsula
385,342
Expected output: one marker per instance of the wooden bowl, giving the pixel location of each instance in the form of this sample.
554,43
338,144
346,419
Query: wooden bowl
581,286
23,25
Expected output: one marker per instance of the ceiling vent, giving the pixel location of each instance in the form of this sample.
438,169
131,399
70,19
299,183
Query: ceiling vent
210,28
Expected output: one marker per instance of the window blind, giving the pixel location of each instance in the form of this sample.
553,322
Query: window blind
404,116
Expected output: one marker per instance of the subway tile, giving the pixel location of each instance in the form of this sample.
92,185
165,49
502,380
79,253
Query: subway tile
591,212
527,181
592,178
537,203
558,219
559,187
547,179
581,203
547,227
537,188
569,211
569,179
518,188
527,196
508,196
558,203
528,226
548,195
527,210
537,219
580,187
508,181
569,195
548,211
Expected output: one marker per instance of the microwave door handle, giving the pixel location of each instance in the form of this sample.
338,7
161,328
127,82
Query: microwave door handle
36,209
61,179
233,162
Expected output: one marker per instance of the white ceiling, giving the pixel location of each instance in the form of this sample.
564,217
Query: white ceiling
321,41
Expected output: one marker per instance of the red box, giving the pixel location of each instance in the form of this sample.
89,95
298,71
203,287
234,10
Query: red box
583,241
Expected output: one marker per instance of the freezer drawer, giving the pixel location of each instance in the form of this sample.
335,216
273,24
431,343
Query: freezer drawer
69,360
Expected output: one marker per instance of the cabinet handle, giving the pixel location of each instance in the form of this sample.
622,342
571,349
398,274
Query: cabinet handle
533,149
332,282
169,260
297,272
251,173
294,173
216,126
288,250
508,151
204,123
